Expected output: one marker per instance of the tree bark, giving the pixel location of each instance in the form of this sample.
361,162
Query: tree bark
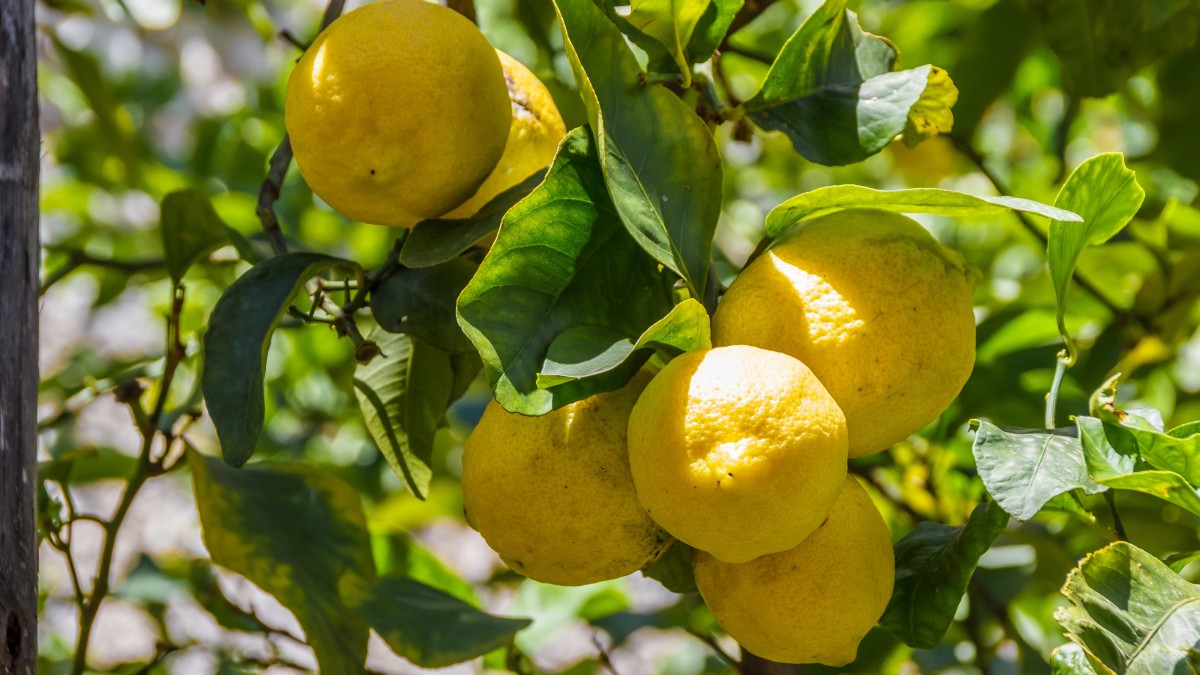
18,336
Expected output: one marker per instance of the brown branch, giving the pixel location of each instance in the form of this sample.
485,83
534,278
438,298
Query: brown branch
281,160
77,259
749,12
464,7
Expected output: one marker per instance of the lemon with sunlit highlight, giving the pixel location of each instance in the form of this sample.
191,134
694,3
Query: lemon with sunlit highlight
397,112
553,494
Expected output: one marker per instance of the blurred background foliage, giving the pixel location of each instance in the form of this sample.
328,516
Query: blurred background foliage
144,97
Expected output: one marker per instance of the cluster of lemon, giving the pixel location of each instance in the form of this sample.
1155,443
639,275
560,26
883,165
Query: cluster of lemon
401,111
838,342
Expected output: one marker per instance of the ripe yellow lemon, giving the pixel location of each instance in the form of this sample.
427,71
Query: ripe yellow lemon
397,112
537,127
553,494
877,308
815,602
737,451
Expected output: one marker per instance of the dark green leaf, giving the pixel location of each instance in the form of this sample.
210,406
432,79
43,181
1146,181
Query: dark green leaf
562,260
403,394
819,202
235,346
1133,613
295,532
439,240
673,569
191,229
1023,469
424,625
1101,43
711,29
659,159
831,89
407,557
934,563
420,302
1107,196
588,351
672,23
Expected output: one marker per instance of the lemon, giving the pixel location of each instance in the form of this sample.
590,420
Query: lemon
875,306
815,602
397,112
737,451
537,127
553,494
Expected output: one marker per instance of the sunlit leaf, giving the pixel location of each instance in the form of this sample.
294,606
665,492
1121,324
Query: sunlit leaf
296,532
1023,469
429,627
671,23
659,159
711,29
1107,196
832,90
934,563
1070,659
562,261
588,351
1133,613
821,201
236,343
1112,462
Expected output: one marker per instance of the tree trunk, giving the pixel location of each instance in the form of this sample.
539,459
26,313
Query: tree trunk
18,336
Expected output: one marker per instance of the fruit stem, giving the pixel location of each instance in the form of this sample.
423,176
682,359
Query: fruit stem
1060,370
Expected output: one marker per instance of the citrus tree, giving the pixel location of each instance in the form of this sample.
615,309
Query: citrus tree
688,336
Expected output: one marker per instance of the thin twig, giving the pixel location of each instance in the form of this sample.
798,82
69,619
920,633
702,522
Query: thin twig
281,159
1118,525
77,259
713,645
148,426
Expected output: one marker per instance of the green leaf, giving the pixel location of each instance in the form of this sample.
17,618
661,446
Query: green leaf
405,556
420,302
235,346
659,159
588,351
295,532
1023,469
934,562
1164,451
819,202
403,394
673,569
440,240
1102,43
1111,462
672,23
1133,613
711,29
429,627
191,229
1107,196
1178,561
832,90
1070,659
562,260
